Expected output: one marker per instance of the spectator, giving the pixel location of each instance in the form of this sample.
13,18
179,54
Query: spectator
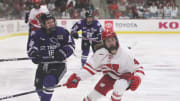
174,12
90,6
71,3
140,10
82,13
65,14
113,7
146,12
61,4
117,14
167,11
1,9
122,8
134,12
51,6
83,4
129,12
160,11
153,10
75,14
96,13
64,8
17,11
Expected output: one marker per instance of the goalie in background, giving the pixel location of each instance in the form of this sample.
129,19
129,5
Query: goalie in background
121,71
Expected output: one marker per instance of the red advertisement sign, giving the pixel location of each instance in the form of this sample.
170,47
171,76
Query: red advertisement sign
108,25
63,23
168,25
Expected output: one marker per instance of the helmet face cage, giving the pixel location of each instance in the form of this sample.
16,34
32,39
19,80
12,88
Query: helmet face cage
89,14
44,17
37,3
106,35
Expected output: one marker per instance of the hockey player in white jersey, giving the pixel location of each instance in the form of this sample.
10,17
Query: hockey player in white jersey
34,15
121,71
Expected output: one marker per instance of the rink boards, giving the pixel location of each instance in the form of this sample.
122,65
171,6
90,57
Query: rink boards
11,28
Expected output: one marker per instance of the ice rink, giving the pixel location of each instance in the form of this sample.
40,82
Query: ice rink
158,53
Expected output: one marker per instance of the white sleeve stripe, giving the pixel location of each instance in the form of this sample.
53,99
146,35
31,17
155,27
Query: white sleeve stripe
90,68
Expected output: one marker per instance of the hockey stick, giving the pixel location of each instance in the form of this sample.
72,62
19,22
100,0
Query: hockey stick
28,92
26,58
16,59
90,39
94,40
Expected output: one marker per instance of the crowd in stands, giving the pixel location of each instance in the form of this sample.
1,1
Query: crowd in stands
60,8
75,9
143,9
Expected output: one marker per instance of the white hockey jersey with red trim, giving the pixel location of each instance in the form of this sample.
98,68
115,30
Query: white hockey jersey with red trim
35,14
114,65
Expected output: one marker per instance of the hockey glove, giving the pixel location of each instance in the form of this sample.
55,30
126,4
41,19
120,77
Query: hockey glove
72,81
136,81
127,76
36,57
75,35
59,55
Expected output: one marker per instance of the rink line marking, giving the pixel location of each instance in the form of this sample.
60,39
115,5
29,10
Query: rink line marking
146,32
12,35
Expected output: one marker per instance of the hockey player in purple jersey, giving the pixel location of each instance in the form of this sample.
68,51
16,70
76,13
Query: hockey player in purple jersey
91,34
50,46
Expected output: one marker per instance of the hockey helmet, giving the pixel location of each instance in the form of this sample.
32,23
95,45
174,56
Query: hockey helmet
89,13
36,4
89,17
43,18
108,34
36,1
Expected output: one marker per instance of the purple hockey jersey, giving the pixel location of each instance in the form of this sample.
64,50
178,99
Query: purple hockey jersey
47,44
88,31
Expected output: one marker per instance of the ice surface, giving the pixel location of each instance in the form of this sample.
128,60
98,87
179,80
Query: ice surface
158,53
